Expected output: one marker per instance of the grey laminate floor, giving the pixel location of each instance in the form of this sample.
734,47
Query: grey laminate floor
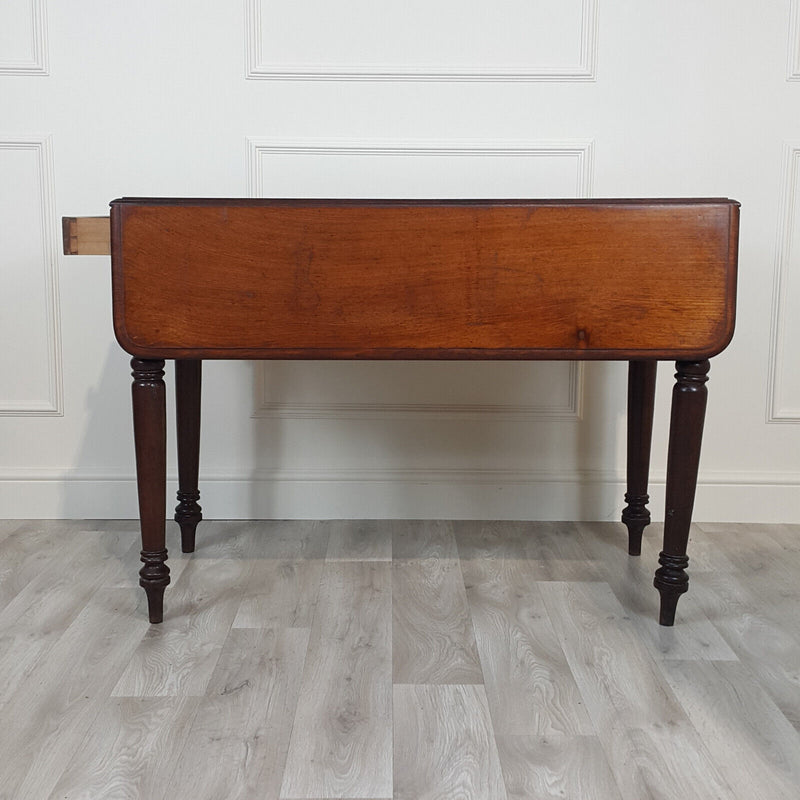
409,660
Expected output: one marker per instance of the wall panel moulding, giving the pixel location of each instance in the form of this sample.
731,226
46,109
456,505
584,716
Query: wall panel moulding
784,383
546,40
29,324
23,37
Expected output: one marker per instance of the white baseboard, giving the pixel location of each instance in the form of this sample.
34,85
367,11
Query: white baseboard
404,494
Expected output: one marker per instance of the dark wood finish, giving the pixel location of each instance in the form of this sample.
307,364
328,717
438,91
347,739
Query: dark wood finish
639,280
641,402
188,379
689,397
455,280
150,436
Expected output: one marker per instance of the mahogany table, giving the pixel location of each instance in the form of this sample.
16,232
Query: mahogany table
634,280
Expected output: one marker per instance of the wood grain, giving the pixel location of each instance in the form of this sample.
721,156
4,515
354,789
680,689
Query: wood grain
262,539
421,539
9,526
530,688
236,747
788,538
280,594
667,728
556,766
550,550
499,279
766,641
647,737
48,598
130,751
586,619
444,744
768,566
359,540
341,743
51,719
755,745
432,636
29,578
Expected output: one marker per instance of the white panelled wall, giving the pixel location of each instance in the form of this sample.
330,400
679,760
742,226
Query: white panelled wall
350,98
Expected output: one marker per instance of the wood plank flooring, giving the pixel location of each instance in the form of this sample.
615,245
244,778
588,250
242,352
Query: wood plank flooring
398,660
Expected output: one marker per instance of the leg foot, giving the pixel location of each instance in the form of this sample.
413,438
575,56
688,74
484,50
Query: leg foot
636,517
671,581
188,514
188,378
689,397
154,578
641,400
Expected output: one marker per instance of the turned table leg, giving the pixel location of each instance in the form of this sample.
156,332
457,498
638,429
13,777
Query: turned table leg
150,437
689,397
187,402
641,400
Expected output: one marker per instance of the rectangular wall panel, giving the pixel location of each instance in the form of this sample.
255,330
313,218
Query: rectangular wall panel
420,170
413,169
793,68
358,390
422,40
30,356
23,40
785,378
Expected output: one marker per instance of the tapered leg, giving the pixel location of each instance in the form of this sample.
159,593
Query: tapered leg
641,399
187,401
150,436
685,436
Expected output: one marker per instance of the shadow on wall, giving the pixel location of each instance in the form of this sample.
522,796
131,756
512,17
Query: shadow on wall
600,444
337,462
314,455
102,481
